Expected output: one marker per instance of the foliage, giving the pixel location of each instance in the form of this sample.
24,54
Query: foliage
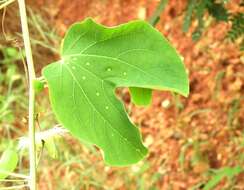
8,162
196,10
96,60
237,28
11,85
12,93
221,174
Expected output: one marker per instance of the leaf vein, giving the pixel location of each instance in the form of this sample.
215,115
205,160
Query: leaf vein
111,126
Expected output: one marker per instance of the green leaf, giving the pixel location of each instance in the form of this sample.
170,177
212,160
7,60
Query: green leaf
38,85
95,60
8,162
220,174
11,52
51,147
141,96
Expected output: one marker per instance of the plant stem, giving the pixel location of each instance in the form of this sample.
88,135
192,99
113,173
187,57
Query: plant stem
6,4
32,77
156,14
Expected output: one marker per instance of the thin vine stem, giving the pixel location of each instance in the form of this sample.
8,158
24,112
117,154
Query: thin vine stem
32,77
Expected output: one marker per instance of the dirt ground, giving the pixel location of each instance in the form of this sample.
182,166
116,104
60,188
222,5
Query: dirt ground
209,123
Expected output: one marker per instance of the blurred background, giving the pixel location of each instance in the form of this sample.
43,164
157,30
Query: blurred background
194,143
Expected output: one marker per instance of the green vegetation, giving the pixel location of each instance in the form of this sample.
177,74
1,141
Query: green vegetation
94,61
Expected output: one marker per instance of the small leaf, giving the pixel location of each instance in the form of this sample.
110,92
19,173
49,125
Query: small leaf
38,85
8,162
95,60
11,52
141,96
51,147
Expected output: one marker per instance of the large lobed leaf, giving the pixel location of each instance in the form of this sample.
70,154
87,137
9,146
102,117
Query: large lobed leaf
95,60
